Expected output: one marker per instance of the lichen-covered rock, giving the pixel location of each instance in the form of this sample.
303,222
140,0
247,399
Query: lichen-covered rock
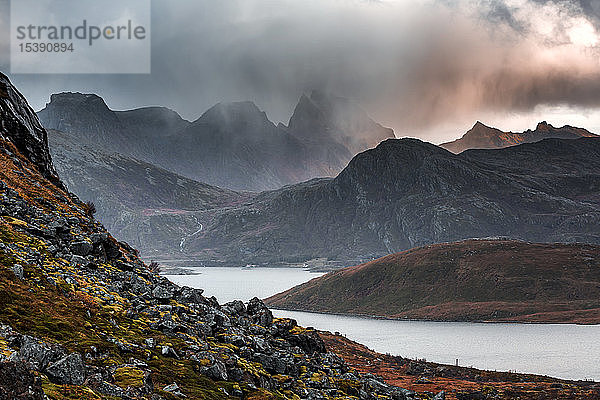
259,313
162,293
69,370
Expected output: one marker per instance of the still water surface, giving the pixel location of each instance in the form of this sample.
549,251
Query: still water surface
565,351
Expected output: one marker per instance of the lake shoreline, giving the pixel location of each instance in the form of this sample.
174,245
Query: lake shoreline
466,382
387,318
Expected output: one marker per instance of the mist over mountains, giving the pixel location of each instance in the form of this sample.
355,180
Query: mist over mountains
232,145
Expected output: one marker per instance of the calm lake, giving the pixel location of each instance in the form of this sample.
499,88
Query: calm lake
564,351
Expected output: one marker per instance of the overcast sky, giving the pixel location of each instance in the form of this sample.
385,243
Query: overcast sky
427,68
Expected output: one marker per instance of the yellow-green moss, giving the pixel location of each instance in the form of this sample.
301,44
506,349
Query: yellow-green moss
129,376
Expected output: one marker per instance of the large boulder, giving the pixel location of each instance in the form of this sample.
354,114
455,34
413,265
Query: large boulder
259,313
69,370
37,354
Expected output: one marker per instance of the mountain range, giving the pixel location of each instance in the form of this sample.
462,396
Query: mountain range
401,194
151,208
231,145
481,136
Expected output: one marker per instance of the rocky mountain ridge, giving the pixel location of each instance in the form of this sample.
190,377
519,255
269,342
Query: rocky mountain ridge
406,193
481,136
150,208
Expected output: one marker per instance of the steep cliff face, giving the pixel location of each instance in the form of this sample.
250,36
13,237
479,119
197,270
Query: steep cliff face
20,125
81,317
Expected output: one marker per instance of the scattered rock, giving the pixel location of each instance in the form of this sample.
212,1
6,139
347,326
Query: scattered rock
216,371
18,271
162,293
82,248
174,390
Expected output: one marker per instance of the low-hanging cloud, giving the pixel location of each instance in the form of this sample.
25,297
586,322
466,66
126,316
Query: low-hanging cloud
412,64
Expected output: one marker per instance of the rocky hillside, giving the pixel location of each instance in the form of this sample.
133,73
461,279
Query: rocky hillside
406,193
232,145
481,136
150,208
491,280
83,318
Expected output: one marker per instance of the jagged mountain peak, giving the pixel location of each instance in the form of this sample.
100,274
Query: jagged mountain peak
481,136
236,115
482,130
324,116
543,126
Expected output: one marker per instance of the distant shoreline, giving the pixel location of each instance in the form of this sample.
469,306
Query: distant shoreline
383,317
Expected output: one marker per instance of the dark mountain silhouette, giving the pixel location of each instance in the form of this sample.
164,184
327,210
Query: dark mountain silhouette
407,193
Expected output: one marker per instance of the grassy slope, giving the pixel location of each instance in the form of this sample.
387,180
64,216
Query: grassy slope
470,280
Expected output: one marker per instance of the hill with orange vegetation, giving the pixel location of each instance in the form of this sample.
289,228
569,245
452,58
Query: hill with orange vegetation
473,280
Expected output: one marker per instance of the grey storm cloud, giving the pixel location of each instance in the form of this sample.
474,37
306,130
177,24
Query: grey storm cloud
411,64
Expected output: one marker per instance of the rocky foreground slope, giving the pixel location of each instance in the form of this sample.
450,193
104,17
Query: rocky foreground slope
481,136
81,317
475,280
